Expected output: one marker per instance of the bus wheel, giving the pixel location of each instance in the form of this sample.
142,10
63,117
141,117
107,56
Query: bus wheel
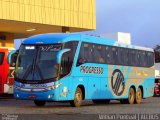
39,103
138,98
77,98
131,96
106,101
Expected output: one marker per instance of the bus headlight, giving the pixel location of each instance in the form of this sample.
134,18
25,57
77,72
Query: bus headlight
50,96
16,87
53,87
50,88
17,96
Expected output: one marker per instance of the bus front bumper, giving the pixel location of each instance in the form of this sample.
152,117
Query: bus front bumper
47,96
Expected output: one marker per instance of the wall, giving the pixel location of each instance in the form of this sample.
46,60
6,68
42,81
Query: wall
72,13
9,40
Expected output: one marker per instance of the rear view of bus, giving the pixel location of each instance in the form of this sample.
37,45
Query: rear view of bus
6,71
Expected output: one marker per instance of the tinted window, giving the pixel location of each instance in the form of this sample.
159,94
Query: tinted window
85,54
95,53
13,59
132,55
68,58
1,57
99,55
122,58
138,54
114,55
142,58
108,55
150,59
126,54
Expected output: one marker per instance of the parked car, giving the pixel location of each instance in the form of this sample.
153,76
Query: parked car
157,87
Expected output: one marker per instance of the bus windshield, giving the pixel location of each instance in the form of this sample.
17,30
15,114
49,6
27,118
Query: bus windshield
37,62
1,57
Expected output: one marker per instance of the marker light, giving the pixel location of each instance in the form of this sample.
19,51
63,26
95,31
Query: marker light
30,30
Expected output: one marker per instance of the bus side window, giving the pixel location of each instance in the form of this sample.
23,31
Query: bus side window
115,55
68,58
13,59
1,57
132,56
85,54
66,64
141,54
108,55
138,58
145,59
126,59
121,56
103,57
150,59
99,56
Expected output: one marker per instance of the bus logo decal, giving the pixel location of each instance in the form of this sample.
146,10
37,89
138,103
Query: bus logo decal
11,72
117,82
91,70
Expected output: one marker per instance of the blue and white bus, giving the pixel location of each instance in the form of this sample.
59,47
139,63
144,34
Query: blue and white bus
74,67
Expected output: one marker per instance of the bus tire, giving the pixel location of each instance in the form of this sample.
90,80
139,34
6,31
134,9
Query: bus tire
77,98
105,101
138,98
39,103
131,96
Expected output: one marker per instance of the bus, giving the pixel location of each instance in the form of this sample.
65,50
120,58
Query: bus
75,67
6,70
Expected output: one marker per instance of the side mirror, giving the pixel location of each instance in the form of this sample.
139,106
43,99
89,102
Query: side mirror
60,53
12,57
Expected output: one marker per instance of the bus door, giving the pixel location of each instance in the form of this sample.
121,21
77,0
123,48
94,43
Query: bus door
3,68
10,81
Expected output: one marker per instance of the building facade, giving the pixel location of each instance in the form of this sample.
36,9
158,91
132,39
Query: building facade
23,18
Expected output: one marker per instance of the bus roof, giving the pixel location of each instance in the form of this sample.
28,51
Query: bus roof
52,38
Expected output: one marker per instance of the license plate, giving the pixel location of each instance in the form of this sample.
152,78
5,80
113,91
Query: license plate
32,96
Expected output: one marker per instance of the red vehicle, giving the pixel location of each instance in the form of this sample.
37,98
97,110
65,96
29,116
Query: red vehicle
157,87
6,70
157,73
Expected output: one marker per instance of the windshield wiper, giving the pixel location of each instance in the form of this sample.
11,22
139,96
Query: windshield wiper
40,72
29,69
27,72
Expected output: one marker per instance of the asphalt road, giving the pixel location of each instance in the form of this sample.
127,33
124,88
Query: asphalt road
58,110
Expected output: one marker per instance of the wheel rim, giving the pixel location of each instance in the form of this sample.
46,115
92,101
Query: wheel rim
78,98
139,96
131,97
